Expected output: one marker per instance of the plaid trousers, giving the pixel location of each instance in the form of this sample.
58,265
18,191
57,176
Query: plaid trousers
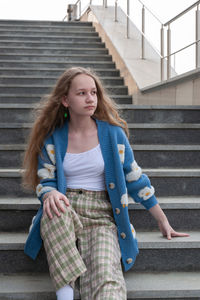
83,243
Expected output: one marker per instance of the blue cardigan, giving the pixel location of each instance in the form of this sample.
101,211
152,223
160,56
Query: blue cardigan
123,177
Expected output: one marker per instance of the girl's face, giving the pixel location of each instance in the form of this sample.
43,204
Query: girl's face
82,96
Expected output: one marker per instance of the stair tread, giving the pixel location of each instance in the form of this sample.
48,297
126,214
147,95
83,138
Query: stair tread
23,203
130,125
146,147
146,240
152,284
157,172
120,106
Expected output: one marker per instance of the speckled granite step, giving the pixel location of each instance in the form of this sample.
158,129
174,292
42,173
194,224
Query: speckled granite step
151,286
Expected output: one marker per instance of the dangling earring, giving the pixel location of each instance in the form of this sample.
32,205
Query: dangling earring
65,115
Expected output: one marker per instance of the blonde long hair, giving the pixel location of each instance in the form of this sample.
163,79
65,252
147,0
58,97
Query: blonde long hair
50,114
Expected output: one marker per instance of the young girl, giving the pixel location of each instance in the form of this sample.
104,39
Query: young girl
82,166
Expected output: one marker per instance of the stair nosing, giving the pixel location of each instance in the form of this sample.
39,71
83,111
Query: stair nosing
152,172
169,203
146,240
135,147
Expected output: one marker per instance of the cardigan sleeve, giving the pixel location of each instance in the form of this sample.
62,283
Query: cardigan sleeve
138,184
46,169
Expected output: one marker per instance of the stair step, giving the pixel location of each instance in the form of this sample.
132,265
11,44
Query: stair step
52,38
147,156
167,182
156,253
33,98
27,89
162,285
55,64
43,27
42,72
182,212
56,58
43,23
141,134
52,50
162,133
160,113
64,32
48,80
140,115
50,44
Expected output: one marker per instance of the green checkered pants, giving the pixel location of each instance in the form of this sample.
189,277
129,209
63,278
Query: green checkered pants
83,243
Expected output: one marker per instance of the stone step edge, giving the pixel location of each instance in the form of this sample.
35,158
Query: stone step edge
39,37
57,55
130,125
153,172
120,106
146,240
51,42
79,23
169,203
42,33
152,285
159,172
42,95
56,62
68,26
47,29
135,147
50,86
46,78
47,69
51,48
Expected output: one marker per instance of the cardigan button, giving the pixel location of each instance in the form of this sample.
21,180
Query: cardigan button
117,211
123,235
129,261
111,185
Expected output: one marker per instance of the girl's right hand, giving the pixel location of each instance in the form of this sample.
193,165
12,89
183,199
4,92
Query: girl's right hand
53,202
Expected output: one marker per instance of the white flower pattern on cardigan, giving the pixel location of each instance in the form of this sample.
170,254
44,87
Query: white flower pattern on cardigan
121,150
40,189
46,172
133,231
51,152
146,192
124,200
135,173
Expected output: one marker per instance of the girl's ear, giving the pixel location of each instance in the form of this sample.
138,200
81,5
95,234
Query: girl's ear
64,101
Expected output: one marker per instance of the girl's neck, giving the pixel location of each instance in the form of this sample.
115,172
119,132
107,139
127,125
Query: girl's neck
81,124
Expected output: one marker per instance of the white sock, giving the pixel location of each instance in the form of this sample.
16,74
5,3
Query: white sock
65,293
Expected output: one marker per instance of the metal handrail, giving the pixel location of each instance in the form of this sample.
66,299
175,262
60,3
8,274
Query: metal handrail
182,13
149,10
147,39
144,36
171,54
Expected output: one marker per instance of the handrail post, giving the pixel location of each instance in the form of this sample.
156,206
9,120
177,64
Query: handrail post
79,9
168,52
116,7
105,3
197,37
143,31
127,21
162,53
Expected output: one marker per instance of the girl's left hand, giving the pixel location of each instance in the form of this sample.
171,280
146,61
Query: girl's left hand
168,231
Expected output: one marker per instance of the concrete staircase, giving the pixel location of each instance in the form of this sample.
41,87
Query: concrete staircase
165,142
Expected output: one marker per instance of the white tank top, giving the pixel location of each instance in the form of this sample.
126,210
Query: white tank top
85,170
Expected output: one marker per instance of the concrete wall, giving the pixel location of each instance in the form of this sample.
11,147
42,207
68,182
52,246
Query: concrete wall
142,76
